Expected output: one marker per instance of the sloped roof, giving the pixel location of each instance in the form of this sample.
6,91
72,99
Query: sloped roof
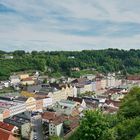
4,135
115,103
81,81
27,79
49,115
6,126
133,77
76,99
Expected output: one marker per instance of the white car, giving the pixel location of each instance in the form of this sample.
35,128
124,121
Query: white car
35,138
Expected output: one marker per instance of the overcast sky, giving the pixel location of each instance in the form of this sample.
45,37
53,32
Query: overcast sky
69,24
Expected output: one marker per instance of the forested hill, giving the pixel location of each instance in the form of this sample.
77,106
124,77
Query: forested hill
109,60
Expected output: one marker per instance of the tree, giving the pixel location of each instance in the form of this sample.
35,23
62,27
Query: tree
19,53
123,126
55,138
128,129
130,106
93,126
109,60
137,137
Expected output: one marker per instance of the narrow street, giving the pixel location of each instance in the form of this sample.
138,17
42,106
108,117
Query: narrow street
37,132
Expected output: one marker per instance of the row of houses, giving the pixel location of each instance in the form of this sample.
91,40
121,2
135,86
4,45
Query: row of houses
99,83
55,92
64,116
21,104
23,79
15,103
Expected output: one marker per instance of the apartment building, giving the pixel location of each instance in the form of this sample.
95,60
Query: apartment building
10,108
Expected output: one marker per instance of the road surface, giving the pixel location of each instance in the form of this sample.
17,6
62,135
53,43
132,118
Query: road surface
37,130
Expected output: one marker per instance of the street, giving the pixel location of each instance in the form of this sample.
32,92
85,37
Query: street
37,132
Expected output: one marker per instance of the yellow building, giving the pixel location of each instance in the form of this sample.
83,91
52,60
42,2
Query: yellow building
61,94
27,94
27,81
88,87
30,102
23,76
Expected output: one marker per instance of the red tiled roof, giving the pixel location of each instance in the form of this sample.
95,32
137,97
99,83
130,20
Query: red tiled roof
60,119
75,112
4,135
133,77
76,99
49,115
27,79
115,103
6,126
110,110
79,80
112,91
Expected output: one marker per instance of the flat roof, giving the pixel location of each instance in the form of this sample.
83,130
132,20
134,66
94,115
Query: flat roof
11,94
21,98
8,104
17,120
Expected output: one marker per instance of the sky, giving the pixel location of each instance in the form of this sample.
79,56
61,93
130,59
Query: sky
69,24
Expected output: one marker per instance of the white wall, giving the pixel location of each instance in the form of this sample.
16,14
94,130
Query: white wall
47,102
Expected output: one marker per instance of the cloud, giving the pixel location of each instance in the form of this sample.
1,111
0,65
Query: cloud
69,24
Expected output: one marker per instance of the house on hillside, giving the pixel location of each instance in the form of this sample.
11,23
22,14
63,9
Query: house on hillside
23,76
27,81
14,79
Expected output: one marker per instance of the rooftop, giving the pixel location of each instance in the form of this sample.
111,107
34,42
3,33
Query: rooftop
21,98
17,120
6,126
7,104
49,115
75,99
12,94
67,102
133,77
74,121
81,81
4,135
14,77
27,79
115,103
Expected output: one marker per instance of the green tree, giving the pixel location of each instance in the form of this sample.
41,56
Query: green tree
55,138
128,129
130,106
93,126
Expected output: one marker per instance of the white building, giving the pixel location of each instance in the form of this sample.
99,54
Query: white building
74,91
55,129
6,83
47,102
14,80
